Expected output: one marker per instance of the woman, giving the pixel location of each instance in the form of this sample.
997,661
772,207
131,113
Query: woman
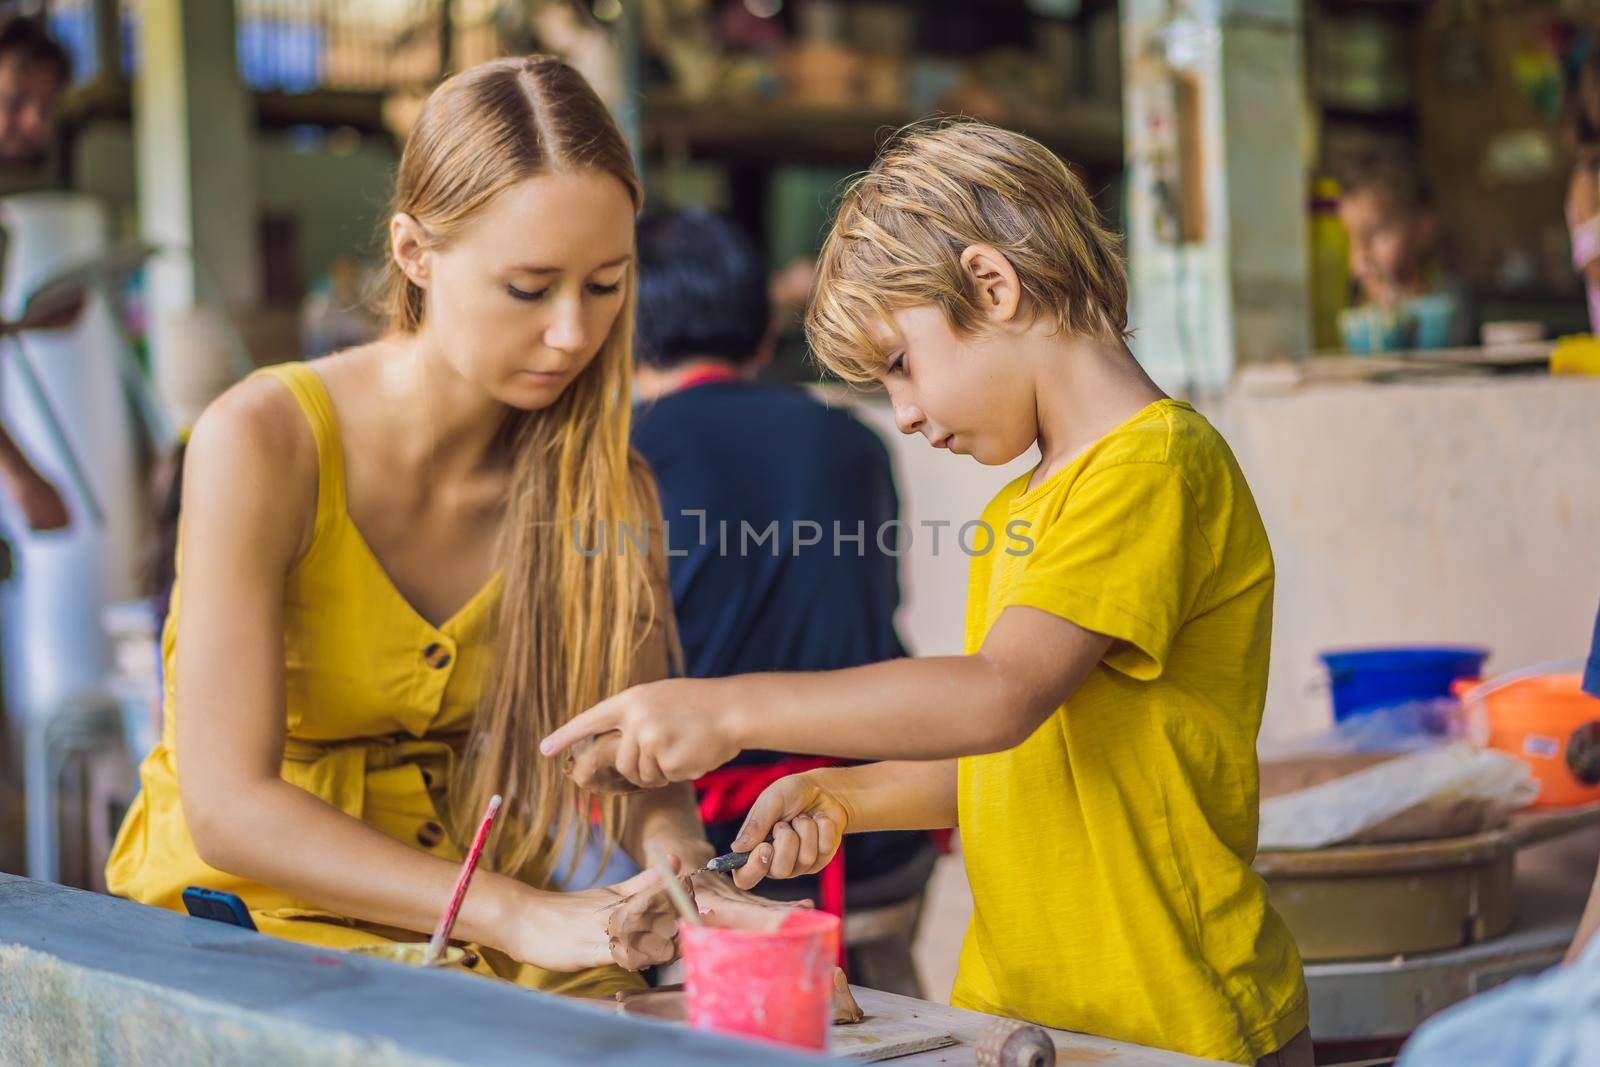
380,606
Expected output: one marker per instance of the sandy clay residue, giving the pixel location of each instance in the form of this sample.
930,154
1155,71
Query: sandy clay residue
643,928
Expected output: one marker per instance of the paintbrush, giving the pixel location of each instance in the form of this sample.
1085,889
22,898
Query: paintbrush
669,881
441,932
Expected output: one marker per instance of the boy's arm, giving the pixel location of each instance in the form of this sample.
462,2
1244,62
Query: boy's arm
915,709
807,815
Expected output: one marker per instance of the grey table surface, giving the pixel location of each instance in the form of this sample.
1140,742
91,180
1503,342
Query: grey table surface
435,1016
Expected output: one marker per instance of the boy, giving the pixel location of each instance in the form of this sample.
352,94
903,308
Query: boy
1096,744
1387,212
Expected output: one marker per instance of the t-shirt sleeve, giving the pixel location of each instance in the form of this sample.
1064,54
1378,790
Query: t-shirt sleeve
1126,557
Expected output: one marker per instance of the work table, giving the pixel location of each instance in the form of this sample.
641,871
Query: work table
91,978
967,1027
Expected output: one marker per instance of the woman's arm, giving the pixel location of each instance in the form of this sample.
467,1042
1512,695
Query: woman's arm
916,709
1582,207
249,502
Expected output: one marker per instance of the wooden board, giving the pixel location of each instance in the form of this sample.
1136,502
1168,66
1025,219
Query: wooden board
919,1033
967,1027
879,1036
884,1037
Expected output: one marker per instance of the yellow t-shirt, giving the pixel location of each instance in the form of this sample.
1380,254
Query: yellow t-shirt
1109,854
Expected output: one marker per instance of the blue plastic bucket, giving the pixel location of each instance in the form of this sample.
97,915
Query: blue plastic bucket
1367,678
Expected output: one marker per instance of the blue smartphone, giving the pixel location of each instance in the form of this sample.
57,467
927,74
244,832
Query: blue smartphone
214,904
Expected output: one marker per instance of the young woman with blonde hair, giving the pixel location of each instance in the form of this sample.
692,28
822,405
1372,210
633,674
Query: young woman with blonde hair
382,606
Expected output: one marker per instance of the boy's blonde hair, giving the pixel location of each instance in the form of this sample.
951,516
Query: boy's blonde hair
937,188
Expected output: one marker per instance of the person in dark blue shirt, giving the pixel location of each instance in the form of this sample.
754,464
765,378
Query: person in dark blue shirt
774,504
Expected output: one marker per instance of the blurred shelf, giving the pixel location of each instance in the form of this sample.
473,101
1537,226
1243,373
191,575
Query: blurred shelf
362,110
1402,116
1089,135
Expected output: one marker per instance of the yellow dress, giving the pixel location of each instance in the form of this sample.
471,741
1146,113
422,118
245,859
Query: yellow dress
379,701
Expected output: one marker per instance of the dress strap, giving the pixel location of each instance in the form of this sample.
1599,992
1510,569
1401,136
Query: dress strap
317,406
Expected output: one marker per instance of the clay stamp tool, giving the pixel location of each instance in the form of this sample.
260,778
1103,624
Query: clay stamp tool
723,864
441,932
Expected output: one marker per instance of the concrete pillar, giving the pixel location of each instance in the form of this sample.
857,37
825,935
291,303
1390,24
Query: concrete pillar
1215,126
197,197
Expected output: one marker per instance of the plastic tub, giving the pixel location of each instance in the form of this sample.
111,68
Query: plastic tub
775,983
1365,678
1553,726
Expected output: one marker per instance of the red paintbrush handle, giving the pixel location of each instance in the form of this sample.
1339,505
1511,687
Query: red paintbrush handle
447,921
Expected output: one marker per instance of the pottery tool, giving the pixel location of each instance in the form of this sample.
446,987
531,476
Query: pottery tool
441,932
723,864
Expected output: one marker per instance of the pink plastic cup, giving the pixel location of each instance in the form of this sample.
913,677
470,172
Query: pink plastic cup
774,984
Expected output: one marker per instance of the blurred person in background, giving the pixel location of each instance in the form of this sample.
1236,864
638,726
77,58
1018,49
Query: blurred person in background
34,73
1405,299
1583,187
1552,1020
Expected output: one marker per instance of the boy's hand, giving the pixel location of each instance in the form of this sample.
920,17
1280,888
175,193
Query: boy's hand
671,731
806,823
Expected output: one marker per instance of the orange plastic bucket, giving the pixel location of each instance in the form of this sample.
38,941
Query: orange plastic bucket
1553,726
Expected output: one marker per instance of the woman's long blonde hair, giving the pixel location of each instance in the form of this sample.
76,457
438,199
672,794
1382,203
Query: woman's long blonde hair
571,623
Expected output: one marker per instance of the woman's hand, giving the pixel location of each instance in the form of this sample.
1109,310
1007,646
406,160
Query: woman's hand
567,931
718,895
806,822
592,764
670,731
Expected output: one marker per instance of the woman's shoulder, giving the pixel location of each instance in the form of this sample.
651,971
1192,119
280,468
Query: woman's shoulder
258,417
252,455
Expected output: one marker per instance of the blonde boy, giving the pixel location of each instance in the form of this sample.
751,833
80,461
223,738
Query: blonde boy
1096,743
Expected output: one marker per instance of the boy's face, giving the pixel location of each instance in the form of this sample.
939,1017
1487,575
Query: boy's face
1388,244
964,393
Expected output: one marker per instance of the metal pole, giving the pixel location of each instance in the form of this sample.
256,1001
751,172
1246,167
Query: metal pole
630,108
446,37
108,42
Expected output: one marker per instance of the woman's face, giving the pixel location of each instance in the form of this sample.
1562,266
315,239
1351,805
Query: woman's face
521,300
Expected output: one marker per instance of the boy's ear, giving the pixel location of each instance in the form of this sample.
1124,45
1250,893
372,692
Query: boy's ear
408,244
994,279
